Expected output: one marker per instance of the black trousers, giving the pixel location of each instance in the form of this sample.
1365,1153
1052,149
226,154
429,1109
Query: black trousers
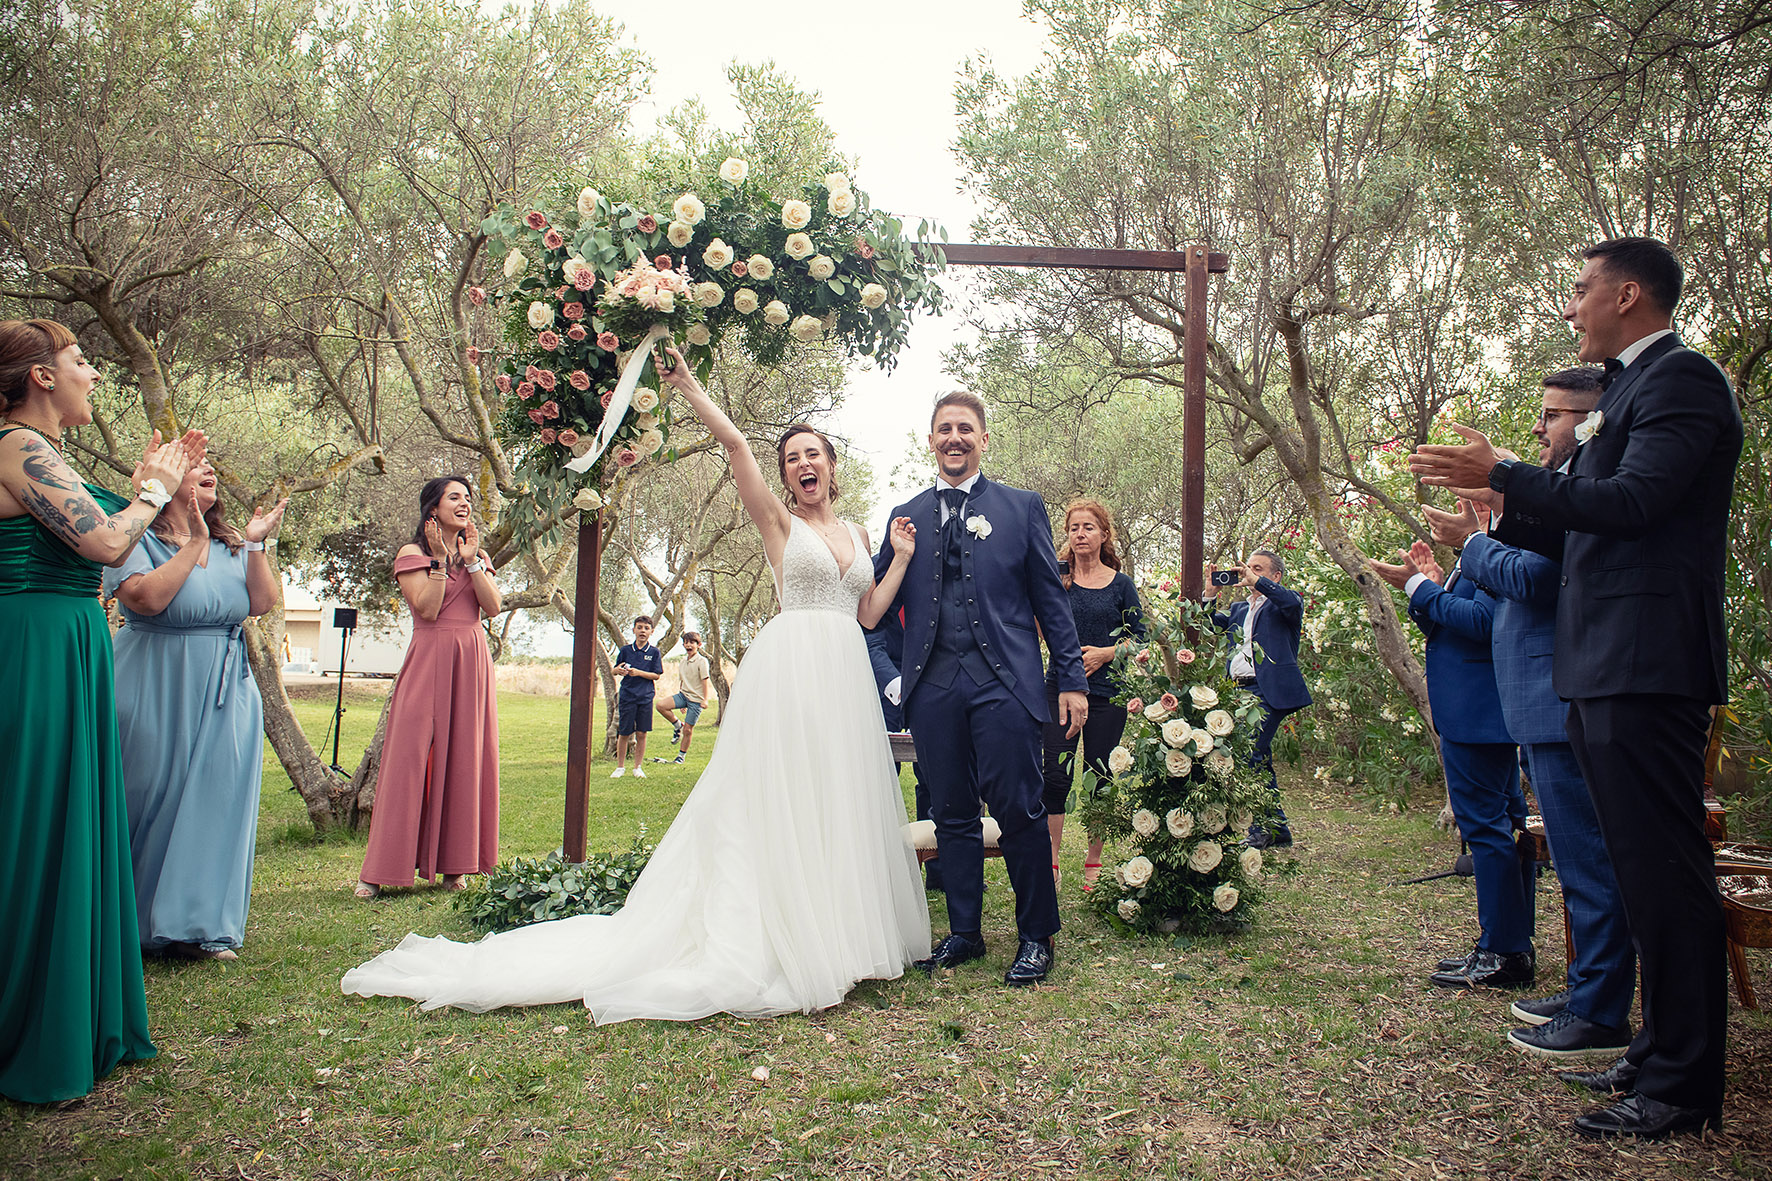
1100,734
1643,758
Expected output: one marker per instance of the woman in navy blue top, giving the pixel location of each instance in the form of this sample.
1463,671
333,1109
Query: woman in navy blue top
1104,602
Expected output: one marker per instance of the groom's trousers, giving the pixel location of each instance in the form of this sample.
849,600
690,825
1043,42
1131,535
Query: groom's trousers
977,744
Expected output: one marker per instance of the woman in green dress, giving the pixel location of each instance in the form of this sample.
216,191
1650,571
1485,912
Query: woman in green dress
71,1002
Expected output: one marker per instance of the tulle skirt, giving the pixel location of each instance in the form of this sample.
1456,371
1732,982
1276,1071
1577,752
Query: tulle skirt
785,878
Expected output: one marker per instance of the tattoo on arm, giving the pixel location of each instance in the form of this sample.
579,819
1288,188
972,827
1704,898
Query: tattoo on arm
43,466
41,507
78,516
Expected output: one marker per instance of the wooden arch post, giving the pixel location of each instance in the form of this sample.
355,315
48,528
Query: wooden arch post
1197,263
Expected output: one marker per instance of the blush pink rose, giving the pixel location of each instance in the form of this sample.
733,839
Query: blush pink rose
473,355
626,457
503,382
740,269
548,380
551,409
477,296
1135,706
648,224
605,399
536,220
568,437
536,417
862,249
526,390
1169,702
1184,656
577,332
546,434
662,262
552,240
573,311
578,379
549,339
608,341
1143,657
584,280
531,373
560,291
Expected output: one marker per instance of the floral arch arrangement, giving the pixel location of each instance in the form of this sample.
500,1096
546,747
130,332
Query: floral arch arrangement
1182,790
592,282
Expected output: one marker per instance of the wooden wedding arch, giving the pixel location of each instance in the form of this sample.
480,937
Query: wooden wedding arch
1197,263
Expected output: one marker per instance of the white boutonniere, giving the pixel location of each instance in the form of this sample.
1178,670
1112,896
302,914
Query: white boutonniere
1588,427
978,526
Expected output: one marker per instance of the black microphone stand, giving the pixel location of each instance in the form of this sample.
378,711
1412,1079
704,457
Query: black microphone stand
345,619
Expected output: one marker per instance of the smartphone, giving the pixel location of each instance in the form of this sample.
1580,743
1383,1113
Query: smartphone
1229,577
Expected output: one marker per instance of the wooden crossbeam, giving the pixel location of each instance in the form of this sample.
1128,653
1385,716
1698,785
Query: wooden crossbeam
969,254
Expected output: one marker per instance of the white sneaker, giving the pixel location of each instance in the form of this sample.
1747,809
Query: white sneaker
639,774
618,773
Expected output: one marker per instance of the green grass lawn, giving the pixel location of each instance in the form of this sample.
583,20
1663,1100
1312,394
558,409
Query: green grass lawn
1311,1047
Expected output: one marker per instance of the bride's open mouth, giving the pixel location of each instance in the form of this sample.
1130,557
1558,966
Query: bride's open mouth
809,483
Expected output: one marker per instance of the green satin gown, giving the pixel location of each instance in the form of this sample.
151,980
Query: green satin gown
71,1000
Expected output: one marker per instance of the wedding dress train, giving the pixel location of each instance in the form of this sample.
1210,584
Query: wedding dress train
785,878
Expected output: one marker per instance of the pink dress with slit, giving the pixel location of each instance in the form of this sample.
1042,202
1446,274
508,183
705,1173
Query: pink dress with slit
436,799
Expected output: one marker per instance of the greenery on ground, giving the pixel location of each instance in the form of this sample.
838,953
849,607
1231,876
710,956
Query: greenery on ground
1310,1047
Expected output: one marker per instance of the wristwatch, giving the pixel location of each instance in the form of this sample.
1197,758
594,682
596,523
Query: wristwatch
153,493
253,545
1498,475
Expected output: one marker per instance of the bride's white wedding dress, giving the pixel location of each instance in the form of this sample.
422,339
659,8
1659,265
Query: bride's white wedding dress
785,878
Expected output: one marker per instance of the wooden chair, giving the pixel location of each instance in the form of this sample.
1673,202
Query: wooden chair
1744,880
1534,844
922,832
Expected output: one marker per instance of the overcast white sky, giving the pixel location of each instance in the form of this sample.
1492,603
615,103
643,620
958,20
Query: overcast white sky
886,78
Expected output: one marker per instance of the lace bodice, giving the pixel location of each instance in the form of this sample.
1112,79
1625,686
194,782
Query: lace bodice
808,578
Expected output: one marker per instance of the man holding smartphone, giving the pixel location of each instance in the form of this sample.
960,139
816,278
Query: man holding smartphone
1270,621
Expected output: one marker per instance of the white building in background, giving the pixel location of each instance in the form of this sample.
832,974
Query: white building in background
313,641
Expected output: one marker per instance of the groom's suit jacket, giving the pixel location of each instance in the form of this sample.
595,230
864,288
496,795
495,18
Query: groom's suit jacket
1011,579
1645,507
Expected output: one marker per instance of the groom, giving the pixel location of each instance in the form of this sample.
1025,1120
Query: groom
974,690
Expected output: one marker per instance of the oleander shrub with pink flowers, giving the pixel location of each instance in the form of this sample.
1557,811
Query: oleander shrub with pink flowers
1181,795
721,262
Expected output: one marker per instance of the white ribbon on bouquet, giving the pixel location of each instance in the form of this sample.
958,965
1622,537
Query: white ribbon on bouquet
621,399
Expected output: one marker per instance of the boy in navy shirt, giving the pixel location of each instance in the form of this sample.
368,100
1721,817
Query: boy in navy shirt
638,664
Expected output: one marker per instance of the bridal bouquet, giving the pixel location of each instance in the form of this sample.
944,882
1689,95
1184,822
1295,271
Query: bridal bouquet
1180,790
648,295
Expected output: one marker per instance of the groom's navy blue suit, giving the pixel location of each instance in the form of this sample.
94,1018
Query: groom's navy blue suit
975,688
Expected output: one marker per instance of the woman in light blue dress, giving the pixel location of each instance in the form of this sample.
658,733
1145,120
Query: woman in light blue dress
190,718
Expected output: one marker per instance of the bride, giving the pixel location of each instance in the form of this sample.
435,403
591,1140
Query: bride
786,877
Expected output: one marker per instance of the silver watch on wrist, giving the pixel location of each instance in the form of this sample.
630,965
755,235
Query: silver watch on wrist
154,494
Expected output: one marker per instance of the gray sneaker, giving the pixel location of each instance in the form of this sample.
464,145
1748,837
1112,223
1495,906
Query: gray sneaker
1568,1036
1540,1009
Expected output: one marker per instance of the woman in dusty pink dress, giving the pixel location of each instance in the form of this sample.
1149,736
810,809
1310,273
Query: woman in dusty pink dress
436,799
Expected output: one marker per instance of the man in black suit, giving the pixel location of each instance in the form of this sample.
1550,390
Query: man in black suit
1639,523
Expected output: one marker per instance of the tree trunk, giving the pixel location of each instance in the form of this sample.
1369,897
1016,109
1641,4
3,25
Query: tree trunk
329,798
368,773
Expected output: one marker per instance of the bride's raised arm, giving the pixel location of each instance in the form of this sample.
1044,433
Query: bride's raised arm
768,513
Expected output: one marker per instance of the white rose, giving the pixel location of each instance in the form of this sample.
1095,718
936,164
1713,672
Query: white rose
709,295
872,296
689,208
795,215
718,255
776,312
572,266
807,328
1176,732
1138,871
587,201
678,233
698,334
1220,764
821,267
1250,860
745,300
1177,764
760,268
649,441
1154,712
1180,824
1225,897
798,246
1205,857
515,264
1203,743
540,315
1243,819
733,170
1119,760
1145,822
1128,908
586,500
836,181
645,400
840,203
1203,696
1220,723
645,422
667,302
1212,819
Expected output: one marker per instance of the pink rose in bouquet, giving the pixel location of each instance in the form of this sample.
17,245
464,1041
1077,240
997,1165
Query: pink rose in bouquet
1143,657
608,341
552,240
663,262
573,311
503,382
584,280
549,339
1135,706
536,220
578,379
526,390
1169,702
568,437
577,332
550,409
531,373
536,417
648,224
547,380
546,434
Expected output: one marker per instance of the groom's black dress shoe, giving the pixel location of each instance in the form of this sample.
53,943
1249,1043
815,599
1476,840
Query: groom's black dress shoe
1488,969
951,953
1455,963
1646,1118
1618,1077
1033,959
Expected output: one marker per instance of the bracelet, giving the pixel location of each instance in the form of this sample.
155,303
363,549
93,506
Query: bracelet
153,494
252,546
478,566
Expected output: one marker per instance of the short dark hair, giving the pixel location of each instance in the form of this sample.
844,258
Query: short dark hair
1583,379
1278,562
696,636
1644,261
645,619
964,398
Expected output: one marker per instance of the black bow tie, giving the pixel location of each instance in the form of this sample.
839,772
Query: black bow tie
1613,368
954,498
